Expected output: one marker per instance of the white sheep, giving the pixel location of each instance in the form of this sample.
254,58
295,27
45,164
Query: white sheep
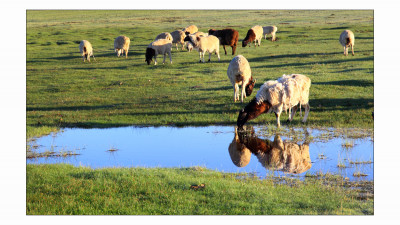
161,46
164,35
270,30
121,45
254,34
239,73
278,95
178,36
190,29
347,39
189,45
86,50
204,44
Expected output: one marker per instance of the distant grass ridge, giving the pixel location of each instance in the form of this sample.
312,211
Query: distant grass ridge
62,91
67,190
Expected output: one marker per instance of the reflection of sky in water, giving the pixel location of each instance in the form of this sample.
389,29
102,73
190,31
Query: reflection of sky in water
189,146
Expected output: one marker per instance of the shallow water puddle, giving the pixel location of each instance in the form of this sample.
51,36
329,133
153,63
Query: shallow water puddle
296,152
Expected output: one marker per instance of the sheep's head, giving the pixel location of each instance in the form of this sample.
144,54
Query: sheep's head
150,53
251,111
250,86
251,36
211,31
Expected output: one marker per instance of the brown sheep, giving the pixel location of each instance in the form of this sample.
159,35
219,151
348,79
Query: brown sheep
228,37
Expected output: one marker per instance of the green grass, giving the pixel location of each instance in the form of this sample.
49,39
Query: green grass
62,91
64,189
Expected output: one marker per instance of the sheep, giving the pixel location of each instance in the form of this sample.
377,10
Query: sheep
177,37
86,50
161,46
190,29
347,39
270,30
164,35
121,45
189,45
239,73
204,44
285,156
228,37
278,95
254,34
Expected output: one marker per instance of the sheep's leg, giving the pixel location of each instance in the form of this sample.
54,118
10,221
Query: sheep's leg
265,36
277,115
273,37
165,55
126,53
224,49
243,95
293,112
236,92
217,52
209,56
233,49
170,58
352,50
200,56
84,57
155,59
306,111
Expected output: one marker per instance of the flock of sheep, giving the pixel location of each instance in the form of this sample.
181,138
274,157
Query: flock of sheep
283,94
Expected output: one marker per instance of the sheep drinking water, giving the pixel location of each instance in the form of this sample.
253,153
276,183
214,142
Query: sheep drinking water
278,95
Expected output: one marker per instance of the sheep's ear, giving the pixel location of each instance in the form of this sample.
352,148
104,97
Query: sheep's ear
198,38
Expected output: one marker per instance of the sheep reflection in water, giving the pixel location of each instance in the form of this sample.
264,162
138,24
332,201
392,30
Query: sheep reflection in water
285,156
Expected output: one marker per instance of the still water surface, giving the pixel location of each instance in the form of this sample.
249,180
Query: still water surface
215,147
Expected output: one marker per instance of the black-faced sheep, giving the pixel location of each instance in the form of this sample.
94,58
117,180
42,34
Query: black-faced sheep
254,34
178,36
86,50
161,46
347,40
164,35
204,44
239,73
190,29
121,45
228,37
278,95
270,30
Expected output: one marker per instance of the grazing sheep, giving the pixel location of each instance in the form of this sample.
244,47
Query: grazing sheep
161,46
178,36
190,29
270,30
164,35
239,73
189,45
121,45
86,50
204,44
278,95
228,37
276,155
254,34
347,39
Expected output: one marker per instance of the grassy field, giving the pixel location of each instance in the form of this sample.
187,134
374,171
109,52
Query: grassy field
66,190
62,91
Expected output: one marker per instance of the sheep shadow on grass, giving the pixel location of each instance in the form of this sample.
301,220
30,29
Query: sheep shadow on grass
356,83
339,104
